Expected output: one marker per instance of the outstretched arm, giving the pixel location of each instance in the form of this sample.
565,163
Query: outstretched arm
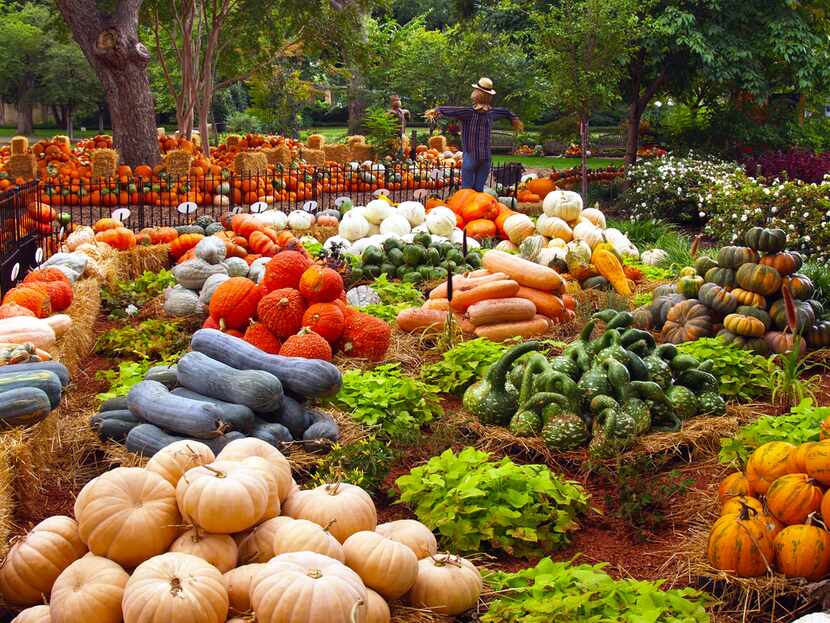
455,112
503,113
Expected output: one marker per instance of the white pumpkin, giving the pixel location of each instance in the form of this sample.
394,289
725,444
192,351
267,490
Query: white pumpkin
548,256
518,227
557,243
653,257
377,210
554,227
565,204
589,233
440,221
353,227
340,241
421,229
257,270
374,230
273,218
356,211
396,224
221,201
595,216
300,220
457,237
413,211
506,246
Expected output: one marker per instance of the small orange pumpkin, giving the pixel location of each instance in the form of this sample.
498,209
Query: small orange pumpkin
793,497
321,285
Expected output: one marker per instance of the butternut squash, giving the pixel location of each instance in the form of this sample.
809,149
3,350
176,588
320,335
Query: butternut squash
460,283
546,304
467,327
506,330
419,319
481,272
610,267
491,290
495,311
524,271
442,304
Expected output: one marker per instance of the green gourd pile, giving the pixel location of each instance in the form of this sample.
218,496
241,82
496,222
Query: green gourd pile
602,390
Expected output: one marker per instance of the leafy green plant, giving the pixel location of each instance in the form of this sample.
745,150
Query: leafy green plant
126,375
789,382
653,273
150,339
743,375
364,463
385,312
382,131
138,292
470,500
395,292
802,424
643,298
563,591
462,365
643,233
385,398
819,274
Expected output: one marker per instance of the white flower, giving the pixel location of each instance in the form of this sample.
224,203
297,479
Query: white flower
806,238
131,310
774,209
701,214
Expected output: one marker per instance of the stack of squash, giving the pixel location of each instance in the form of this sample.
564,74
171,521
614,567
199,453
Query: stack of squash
203,537
739,296
774,514
29,391
510,297
224,389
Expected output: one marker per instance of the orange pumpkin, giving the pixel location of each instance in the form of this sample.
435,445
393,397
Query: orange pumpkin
481,228
803,551
32,296
792,498
285,270
541,186
282,312
306,344
733,485
163,235
817,462
183,244
119,238
234,302
480,206
258,335
769,462
104,224
50,273
799,455
321,285
41,212
326,319
739,544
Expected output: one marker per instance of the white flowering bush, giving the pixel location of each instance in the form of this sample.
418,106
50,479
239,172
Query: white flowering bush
677,189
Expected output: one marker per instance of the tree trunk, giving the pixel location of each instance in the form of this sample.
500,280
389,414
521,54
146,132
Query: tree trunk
70,129
632,137
583,166
357,82
57,113
110,44
25,108
100,119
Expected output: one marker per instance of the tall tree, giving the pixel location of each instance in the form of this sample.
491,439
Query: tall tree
67,83
22,40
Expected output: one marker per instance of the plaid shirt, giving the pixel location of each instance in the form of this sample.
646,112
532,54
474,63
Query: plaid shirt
475,127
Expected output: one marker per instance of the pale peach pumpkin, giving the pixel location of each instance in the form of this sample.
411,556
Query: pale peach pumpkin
220,550
411,533
35,614
174,460
258,544
384,565
90,589
446,585
377,610
302,535
238,582
348,506
240,449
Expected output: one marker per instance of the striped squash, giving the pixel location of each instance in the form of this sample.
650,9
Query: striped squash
792,498
739,544
771,461
817,462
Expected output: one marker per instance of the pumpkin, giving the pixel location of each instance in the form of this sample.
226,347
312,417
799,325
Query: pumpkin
234,302
724,277
440,221
446,585
518,227
717,298
34,562
766,240
783,342
12,310
733,506
305,587
259,335
415,535
481,228
755,312
238,583
803,551
325,319
348,506
734,257
384,565
554,227
90,589
281,311
32,296
785,263
739,544
564,204
306,343
770,524
355,227
241,449
541,186
104,224
819,335
768,463
37,614
800,285
689,285
211,249
377,610
817,462
751,299
174,460
23,330
365,336
284,270
220,550
733,485
804,315
175,587
321,285
479,206
798,458
128,514
758,278
272,504
301,535
49,273
261,243
60,294
119,238
687,321
747,326
183,244
792,498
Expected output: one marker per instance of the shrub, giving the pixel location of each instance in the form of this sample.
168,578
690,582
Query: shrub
803,165
243,123
743,375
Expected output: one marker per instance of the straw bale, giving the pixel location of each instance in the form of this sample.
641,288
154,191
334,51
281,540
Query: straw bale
355,139
316,157
104,163
62,139
6,493
20,145
531,209
250,163
232,140
133,263
76,344
316,141
361,152
406,614
177,162
160,133
22,165
281,154
340,154
438,142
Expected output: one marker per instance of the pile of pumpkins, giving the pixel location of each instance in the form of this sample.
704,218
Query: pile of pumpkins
770,514
203,537
739,296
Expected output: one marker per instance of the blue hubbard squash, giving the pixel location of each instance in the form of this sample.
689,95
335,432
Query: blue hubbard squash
147,439
39,366
48,382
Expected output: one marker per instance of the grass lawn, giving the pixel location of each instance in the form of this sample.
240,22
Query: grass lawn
549,162
50,132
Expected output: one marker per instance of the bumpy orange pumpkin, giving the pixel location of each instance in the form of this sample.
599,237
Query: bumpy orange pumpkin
541,186
365,336
259,335
234,302
767,463
307,344
60,294
326,319
285,270
792,498
50,273
321,285
282,311
480,206
33,297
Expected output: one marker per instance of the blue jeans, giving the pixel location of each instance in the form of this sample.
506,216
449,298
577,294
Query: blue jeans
474,173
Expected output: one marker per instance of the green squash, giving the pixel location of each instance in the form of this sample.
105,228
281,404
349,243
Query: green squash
593,383
703,264
639,412
805,316
564,432
689,285
711,403
717,298
819,335
734,257
683,400
766,240
724,277
658,370
597,282
525,424
757,345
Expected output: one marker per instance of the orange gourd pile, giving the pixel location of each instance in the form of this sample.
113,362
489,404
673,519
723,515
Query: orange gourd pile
479,214
774,514
44,291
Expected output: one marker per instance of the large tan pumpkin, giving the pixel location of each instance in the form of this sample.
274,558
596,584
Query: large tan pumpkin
127,515
90,589
220,550
415,535
175,587
223,497
34,562
258,544
305,587
35,614
238,582
377,610
348,506
272,508
240,449
302,535
446,585
174,460
384,565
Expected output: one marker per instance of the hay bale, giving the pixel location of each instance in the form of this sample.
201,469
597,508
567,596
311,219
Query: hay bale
20,145
341,154
177,162
250,163
6,494
438,142
77,343
361,152
316,141
281,154
22,165
355,139
104,163
133,263
62,139
317,157
233,140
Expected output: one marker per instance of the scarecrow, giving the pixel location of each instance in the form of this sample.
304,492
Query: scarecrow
476,124
402,114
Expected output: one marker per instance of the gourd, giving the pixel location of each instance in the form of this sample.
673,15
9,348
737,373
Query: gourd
415,535
257,545
236,267
803,551
420,319
236,416
384,565
192,274
554,227
90,589
766,240
587,232
549,305
717,298
206,495
755,312
44,380
301,535
510,309
175,587
531,247
238,582
179,301
564,204
524,272
211,250
282,311
279,466
377,210
256,389
767,463
23,406
272,218
783,342
35,561
804,315
440,221
610,267
127,515
704,264
758,278
210,286
147,439
153,402
817,462
219,550
446,585
325,319
75,262
595,216
114,425
284,270
321,434
301,377
792,498
321,284
734,257
348,506
23,330
734,485
747,326
505,330
518,227
687,321
175,459
689,285
60,323
166,375
300,220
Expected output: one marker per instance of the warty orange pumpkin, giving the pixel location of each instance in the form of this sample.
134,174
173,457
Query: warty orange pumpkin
308,344
326,319
259,335
365,336
284,270
49,273
281,311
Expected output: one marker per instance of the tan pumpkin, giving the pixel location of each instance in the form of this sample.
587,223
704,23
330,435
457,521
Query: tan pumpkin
377,610
348,506
304,587
238,582
220,550
415,535
301,535
90,589
446,585
384,565
175,587
174,460
741,324
272,507
240,449
35,561
127,515
258,544
752,299
223,497
35,614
